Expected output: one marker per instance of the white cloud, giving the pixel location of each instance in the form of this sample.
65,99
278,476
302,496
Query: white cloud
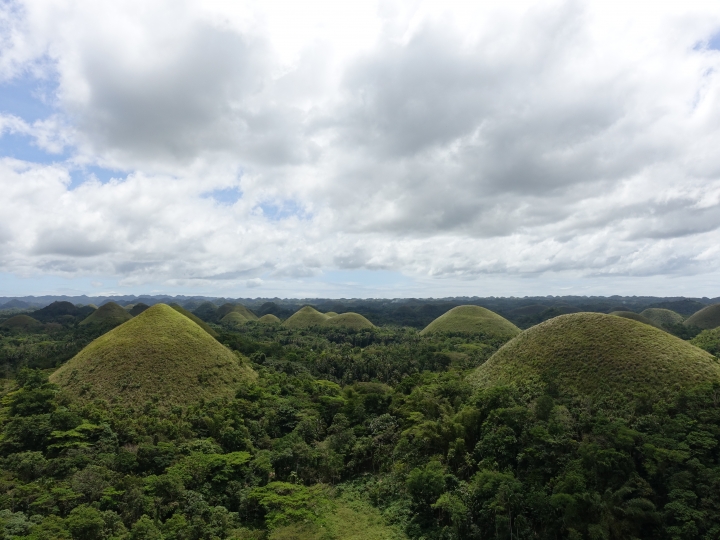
440,140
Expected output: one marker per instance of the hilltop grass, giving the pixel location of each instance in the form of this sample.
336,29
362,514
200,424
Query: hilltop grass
305,318
159,354
21,323
351,320
635,317
226,309
472,320
592,353
194,318
706,319
110,314
269,319
664,318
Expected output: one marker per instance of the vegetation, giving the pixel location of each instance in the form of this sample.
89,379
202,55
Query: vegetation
109,315
349,320
305,318
202,324
708,340
472,320
159,355
705,319
269,319
635,317
21,322
595,354
664,318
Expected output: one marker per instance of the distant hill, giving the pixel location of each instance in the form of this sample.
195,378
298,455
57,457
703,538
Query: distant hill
685,307
22,323
237,308
234,319
206,311
634,316
592,353
707,318
194,318
158,353
107,315
269,319
708,340
138,308
664,318
305,317
16,304
62,312
349,320
472,320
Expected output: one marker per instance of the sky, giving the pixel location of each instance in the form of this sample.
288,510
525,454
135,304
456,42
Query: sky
359,148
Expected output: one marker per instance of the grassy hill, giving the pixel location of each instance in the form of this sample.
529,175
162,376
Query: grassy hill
331,314
110,314
664,318
206,311
305,317
223,310
23,323
158,353
706,318
351,320
234,319
137,309
634,316
472,320
269,319
593,353
194,318
708,340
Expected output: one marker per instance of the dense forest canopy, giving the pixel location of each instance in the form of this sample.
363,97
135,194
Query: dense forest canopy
356,431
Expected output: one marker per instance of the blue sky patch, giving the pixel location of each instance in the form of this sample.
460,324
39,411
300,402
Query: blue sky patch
227,196
28,97
282,209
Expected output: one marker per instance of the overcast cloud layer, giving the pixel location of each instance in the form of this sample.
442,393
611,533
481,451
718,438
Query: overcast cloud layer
251,148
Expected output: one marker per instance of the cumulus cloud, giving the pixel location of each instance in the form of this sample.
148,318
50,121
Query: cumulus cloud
422,137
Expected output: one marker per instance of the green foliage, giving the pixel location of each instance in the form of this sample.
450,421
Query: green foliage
708,340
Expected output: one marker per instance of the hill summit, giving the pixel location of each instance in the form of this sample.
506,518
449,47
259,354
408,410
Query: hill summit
593,353
306,317
707,318
158,353
353,321
110,314
472,320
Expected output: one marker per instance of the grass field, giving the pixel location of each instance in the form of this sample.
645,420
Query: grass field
351,320
305,317
635,317
707,318
472,320
664,318
109,314
194,318
592,353
160,353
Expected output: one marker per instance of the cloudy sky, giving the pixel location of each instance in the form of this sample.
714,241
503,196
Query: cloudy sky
359,149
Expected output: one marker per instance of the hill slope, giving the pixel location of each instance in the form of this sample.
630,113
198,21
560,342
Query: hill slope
109,314
21,322
634,316
159,352
706,318
594,353
194,318
664,318
305,318
472,320
350,320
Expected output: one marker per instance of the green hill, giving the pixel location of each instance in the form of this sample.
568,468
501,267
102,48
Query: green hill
472,320
706,318
269,319
331,314
194,318
110,314
664,318
206,311
634,316
305,318
351,320
234,319
708,340
223,310
137,309
22,323
158,353
593,353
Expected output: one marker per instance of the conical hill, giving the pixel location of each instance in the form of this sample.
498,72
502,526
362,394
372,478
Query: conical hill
664,318
158,353
472,320
138,308
21,322
234,319
110,314
269,318
194,318
634,316
351,320
593,353
223,310
707,318
305,317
